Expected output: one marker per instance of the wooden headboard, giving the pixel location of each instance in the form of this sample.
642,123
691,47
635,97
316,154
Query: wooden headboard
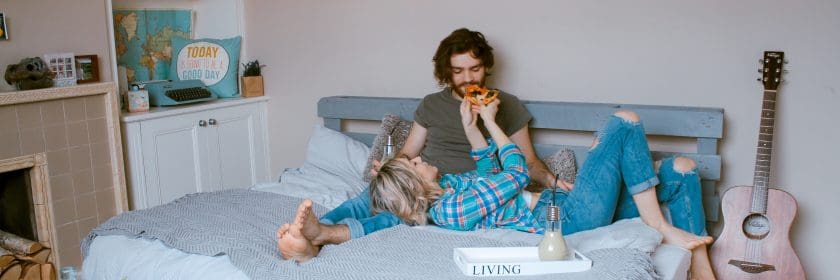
704,126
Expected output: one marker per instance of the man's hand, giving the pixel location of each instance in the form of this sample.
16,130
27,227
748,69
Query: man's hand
547,177
566,186
375,169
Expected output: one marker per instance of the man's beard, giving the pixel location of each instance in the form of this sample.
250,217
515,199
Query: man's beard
459,90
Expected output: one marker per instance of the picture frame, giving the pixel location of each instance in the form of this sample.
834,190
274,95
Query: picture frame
87,69
63,66
4,32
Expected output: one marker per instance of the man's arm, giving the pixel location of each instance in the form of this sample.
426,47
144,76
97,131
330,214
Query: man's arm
536,168
414,142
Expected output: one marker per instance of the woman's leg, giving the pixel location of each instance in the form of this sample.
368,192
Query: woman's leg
356,214
301,240
619,156
680,191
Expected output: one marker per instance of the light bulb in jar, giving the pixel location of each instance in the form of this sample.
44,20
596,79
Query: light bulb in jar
553,246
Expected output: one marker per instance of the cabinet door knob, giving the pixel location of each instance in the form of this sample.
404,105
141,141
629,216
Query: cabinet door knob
202,123
212,121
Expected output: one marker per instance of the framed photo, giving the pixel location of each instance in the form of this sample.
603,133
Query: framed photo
4,32
63,65
87,69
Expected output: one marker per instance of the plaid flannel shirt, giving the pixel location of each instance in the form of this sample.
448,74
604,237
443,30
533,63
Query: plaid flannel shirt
488,197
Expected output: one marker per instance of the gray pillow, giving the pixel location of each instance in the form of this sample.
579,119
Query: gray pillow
562,163
398,128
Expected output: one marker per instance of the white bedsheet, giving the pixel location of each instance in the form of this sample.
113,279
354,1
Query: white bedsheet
121,257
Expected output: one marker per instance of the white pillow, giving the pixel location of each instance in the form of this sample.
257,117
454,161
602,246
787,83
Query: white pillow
335,153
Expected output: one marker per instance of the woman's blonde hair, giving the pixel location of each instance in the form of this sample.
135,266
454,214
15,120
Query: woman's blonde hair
398,189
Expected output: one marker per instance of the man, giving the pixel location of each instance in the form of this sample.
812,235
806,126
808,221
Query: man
437,136
465,58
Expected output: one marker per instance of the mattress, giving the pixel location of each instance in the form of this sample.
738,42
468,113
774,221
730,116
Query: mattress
330,175
122,257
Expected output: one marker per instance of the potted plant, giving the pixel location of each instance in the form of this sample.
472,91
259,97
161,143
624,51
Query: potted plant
252,81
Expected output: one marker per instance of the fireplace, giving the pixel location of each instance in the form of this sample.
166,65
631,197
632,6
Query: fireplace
25,198
17,211
64,144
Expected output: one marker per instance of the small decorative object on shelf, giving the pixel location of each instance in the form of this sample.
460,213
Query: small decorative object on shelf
137,99
29,73
64,67
87,69
252,81
4,32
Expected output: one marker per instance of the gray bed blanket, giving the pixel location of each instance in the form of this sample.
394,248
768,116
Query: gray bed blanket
242,225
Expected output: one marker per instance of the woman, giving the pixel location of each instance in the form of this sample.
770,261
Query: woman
617,181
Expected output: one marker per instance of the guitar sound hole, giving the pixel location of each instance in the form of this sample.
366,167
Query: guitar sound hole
756,226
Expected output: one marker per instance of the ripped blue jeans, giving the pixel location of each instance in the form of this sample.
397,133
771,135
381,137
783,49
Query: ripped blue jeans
356,214
618,167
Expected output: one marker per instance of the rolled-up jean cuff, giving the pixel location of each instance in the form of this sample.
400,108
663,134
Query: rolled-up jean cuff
356,228
643,186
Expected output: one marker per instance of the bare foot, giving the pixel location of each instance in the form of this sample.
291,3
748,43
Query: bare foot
683,238
292,244
281,232
701,268
308,222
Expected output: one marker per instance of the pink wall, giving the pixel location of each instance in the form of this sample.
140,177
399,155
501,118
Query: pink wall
48,26
698,53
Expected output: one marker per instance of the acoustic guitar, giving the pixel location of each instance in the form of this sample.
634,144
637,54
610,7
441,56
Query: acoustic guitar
755,242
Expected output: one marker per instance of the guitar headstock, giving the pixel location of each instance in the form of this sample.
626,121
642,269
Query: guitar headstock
771,72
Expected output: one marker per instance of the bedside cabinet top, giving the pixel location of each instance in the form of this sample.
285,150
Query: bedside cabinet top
160,112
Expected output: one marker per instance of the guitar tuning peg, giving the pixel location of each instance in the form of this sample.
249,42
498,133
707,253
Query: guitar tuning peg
761,61
759,70
785,71
786,61
758,79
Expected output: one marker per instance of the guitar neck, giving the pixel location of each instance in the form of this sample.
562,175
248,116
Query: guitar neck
761,178
771,78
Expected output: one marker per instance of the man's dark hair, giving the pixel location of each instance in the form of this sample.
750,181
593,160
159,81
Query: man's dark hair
460,41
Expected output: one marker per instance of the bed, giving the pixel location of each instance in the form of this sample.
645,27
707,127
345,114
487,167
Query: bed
230,234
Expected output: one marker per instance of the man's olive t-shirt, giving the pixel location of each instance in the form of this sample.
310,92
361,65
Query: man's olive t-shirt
446,145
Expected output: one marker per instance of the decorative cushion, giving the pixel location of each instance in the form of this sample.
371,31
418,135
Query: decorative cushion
213,61
561,163
398,129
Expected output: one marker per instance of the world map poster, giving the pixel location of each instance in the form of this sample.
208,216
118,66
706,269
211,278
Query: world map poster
143,41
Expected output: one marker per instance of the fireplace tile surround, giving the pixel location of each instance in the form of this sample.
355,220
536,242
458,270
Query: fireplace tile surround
77,130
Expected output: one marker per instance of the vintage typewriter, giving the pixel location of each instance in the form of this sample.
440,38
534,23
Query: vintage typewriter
169,93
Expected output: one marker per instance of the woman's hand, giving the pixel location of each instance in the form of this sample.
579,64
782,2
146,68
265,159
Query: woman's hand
488,112
469,116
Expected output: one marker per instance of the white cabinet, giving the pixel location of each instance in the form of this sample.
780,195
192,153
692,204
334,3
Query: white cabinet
173,151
